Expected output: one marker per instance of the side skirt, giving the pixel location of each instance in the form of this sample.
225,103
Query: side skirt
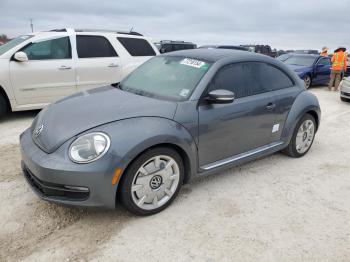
242,158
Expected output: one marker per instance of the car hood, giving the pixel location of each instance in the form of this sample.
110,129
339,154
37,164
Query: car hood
75,114
300,69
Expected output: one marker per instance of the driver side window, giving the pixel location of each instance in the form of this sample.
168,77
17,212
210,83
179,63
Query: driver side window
324,61
59,48
243,79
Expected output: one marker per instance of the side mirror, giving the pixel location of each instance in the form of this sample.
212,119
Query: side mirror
162,50
220,96
21,57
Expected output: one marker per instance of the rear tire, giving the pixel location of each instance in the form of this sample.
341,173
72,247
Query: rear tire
152,181
3,106
303,137
307,81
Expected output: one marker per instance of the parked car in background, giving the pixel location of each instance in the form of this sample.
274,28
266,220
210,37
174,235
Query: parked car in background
262,49
232,47
179,115
307,51
313,69
347,73
166,46
344,88
39,68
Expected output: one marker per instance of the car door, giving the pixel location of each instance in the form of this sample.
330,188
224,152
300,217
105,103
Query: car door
47,75
322,70
284,90
98,63
226,130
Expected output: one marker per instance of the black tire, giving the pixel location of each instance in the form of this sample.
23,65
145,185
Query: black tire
125,192
307,81
344,99
3,106
291,149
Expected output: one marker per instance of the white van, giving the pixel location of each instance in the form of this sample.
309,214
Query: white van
39,68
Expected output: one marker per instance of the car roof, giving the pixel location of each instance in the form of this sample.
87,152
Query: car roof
214,55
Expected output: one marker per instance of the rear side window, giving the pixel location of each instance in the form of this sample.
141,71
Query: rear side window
274,79
58,48
136,46
89,46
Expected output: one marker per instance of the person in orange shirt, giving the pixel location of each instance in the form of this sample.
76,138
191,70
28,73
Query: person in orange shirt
324,51
339,65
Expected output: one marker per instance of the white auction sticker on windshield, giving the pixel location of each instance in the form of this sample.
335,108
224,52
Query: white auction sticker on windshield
193,62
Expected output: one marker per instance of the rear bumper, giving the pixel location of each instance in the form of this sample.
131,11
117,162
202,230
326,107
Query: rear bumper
53,177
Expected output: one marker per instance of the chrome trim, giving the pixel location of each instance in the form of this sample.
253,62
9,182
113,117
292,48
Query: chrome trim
241,156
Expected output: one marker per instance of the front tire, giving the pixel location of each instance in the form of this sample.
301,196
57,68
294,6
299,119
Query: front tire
152,181
303,137
307,81
3,106
344,99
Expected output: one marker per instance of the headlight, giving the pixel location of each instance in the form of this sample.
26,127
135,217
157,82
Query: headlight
89,147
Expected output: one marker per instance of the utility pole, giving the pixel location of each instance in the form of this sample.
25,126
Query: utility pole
31,24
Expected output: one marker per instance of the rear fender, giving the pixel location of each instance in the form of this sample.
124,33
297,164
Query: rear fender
305,102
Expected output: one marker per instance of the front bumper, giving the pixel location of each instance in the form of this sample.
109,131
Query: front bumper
53,177
345,89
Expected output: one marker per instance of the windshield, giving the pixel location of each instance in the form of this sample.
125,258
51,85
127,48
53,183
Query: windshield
14,42
283,57
300,60
168,77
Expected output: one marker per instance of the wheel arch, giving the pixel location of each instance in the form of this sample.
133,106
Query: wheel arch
182,153
305,103
314,114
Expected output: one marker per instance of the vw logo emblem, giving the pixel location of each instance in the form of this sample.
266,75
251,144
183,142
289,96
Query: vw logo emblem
156,182
38,131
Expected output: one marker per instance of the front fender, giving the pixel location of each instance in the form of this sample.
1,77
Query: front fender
304,103
132,136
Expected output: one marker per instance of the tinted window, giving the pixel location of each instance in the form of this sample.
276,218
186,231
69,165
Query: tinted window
94,46
325,61
250,78
59,48
243,79
137,47
274,79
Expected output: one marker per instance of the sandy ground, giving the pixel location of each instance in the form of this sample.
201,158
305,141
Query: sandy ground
274,209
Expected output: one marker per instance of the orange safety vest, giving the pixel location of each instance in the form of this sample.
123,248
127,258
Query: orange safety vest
339,61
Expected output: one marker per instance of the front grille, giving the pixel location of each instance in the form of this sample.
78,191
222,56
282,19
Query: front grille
345,94
55,191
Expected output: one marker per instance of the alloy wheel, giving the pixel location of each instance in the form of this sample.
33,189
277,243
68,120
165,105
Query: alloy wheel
305,136
155,182
307,81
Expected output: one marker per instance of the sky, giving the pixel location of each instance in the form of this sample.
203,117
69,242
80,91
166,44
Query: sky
283,24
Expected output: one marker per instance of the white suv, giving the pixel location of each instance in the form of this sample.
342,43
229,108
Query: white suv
36,69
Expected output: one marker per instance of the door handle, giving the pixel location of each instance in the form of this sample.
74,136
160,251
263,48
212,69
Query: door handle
270,106
64,67
113,65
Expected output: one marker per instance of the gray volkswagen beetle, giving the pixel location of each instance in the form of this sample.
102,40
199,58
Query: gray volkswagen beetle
179,115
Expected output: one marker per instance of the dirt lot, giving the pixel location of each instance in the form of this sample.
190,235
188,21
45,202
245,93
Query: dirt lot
274,209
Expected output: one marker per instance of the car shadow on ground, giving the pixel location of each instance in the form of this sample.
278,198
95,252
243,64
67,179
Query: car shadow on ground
22,115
